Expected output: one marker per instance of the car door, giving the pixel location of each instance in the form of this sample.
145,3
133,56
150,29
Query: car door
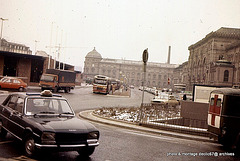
17,118
15,83
7,111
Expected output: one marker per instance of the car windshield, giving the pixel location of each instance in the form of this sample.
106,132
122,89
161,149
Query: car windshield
4,79
100,81
47,78
163,96
48,106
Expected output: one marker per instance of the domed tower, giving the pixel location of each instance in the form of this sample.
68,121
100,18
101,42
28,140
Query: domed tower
91,64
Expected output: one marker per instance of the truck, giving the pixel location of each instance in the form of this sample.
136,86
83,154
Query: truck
224,117
55,80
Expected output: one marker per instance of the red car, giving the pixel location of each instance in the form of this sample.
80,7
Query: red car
13,83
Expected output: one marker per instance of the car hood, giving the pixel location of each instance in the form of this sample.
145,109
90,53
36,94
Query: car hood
63,124
159,99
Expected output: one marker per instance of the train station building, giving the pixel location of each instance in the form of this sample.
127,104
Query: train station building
213,61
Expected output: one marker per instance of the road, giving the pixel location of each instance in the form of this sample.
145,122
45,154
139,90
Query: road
118,144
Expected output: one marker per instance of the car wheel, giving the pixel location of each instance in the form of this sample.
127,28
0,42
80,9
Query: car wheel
3,132
21,89
29,146
55,90
67,90
86,152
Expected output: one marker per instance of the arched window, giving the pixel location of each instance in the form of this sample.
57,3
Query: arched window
226,75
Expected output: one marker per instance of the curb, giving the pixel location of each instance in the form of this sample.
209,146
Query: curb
132,126
109,95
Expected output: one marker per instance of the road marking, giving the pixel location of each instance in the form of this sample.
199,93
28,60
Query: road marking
169,139
152,136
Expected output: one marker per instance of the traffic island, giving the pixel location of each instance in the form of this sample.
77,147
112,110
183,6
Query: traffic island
162,118
92,116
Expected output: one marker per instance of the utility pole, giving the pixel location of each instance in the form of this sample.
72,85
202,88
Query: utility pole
1,31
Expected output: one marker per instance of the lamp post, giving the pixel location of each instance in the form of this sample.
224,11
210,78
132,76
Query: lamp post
145,59
36,46
2,31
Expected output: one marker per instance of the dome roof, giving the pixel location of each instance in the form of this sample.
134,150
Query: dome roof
94,54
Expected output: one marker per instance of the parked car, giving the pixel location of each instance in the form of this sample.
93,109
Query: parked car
131,86
46,121
165,99
13,83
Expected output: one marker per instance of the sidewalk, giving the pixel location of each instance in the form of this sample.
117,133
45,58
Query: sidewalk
89,115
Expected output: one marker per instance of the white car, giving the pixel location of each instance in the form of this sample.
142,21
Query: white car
165,99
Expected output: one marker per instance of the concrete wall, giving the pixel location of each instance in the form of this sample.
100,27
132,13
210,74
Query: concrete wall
194,110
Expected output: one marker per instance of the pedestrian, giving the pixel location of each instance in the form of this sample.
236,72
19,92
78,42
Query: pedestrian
185,97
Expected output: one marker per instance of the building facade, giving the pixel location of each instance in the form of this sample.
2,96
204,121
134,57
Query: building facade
157,75
213,61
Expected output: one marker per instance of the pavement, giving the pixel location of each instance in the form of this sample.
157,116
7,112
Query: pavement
134,126
33,88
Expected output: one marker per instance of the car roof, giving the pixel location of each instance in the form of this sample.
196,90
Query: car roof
44,94
227,91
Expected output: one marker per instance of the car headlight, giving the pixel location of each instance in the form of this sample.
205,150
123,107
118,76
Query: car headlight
93,135
48,138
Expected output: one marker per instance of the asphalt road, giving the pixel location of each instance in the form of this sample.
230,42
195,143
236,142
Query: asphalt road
118,144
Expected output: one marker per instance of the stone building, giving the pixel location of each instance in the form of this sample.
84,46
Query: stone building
157,74
14,47
214,60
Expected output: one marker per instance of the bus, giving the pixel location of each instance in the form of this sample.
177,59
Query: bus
101,84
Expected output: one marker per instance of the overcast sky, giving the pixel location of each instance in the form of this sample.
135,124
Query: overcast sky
117,28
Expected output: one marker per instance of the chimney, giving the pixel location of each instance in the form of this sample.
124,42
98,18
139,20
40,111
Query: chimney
169,54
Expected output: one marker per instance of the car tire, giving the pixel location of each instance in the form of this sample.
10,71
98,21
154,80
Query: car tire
55,90
67,89
21,89
86,152
3,132
29,146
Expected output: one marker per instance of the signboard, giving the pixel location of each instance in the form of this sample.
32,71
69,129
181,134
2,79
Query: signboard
201,93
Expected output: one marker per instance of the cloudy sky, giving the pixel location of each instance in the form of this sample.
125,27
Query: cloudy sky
119,29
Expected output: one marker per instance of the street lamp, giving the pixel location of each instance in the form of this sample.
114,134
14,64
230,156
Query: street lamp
36,46
2,31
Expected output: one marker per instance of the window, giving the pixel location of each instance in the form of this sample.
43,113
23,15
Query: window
12,102
219,102
19,106
16,81
212,102
226,75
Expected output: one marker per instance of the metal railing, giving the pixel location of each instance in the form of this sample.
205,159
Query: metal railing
169,118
